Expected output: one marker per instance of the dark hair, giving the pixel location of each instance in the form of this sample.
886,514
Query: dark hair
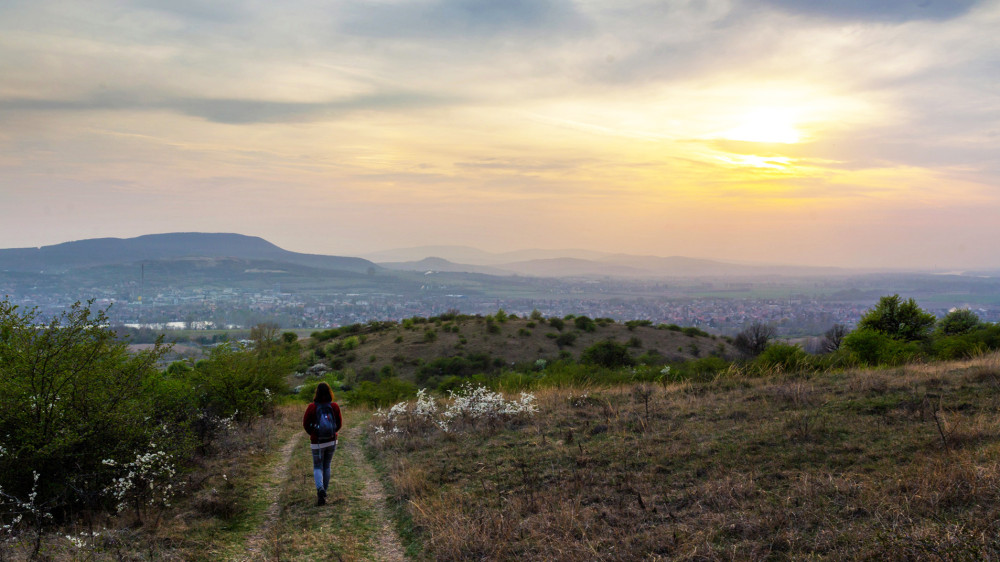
323,393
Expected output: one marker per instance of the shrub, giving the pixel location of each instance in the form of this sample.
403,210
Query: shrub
557,323
239,380
902,320
71,396
961,321
584,324
381,394
872,347
783,356
565,339
691,332
608,354
633,324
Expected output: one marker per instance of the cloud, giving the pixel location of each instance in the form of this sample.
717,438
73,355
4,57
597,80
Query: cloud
890,11
234,111
460,19
216,11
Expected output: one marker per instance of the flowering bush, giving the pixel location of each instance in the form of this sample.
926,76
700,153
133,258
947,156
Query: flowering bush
468,407
146,480
473,404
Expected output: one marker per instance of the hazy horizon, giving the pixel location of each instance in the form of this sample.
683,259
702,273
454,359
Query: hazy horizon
859,134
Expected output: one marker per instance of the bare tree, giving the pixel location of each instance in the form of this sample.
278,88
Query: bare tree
833,338
754,338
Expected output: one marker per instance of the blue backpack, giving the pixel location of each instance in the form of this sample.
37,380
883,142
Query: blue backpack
326,423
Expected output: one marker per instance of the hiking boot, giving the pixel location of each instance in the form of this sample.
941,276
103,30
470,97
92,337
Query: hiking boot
320,497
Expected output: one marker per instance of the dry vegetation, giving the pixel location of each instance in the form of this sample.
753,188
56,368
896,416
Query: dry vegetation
890,464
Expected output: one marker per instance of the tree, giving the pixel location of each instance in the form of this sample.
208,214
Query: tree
898,319
960,321
833,338
753,340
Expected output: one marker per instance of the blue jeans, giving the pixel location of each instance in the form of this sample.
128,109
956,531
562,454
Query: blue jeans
321,465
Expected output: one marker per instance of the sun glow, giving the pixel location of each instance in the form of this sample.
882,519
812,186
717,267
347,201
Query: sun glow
769,125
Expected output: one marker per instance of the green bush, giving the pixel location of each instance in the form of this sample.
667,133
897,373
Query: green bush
783,356
565,339
557,323
871,347
899,319
961,321
71,396
584,324
241,380
608,354
381,394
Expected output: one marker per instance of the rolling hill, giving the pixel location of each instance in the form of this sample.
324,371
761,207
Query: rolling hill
67,256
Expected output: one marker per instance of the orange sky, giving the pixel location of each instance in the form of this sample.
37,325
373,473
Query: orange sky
778,131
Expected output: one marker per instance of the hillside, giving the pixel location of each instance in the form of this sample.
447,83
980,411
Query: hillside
430,350
108,251
896,464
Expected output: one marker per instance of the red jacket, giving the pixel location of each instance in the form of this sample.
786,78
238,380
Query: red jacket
309,422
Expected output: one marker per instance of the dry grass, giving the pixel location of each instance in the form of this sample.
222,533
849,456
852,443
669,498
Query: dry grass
897,465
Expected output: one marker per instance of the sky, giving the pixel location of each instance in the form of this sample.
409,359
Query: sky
837,133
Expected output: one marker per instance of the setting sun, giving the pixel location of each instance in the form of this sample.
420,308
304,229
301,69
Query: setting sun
771,125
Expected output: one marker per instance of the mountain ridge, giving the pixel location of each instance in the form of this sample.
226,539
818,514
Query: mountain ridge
107,251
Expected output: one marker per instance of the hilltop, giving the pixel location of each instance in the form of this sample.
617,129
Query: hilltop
109,251
430,350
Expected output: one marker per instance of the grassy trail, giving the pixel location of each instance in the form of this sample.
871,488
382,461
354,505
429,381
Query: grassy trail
354,525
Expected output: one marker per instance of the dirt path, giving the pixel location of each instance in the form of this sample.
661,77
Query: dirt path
387,544
255,549
355,524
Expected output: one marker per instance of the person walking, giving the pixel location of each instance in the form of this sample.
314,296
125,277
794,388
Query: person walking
322,421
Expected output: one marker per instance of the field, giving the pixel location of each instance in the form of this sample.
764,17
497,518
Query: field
890,464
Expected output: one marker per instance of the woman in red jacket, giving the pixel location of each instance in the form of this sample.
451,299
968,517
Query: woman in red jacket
322,421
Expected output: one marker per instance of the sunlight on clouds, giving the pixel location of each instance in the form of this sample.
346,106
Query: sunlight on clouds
770,162
770,125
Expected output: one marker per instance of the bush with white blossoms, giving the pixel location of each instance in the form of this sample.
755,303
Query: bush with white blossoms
12,505
472,404
148,480
466,407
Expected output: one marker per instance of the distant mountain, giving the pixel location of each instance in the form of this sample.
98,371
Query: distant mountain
577,263
475,256
441,265
677,266
109,251
571,267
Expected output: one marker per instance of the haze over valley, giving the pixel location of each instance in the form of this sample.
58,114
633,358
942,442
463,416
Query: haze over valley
236,281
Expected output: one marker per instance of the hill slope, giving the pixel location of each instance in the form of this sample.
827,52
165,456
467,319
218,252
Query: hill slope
431,351
108,251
